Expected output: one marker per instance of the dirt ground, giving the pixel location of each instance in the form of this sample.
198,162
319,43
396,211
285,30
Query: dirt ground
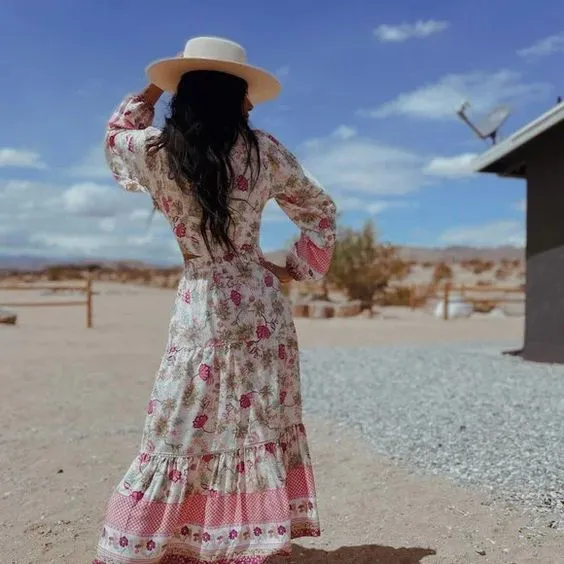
72,408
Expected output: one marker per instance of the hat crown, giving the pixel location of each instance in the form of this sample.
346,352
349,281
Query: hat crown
215,48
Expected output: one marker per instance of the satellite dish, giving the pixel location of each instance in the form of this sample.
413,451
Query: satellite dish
488,126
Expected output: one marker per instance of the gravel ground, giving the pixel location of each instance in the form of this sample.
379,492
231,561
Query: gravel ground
465,412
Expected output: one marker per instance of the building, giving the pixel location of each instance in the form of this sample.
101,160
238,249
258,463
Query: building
535,154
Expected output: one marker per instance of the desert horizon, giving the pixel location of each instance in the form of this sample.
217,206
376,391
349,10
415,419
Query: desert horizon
487,279
447,253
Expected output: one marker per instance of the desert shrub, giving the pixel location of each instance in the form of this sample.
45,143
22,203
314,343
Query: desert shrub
482,266
484,283
54,274
428,264
502,273
395,296
477,266
510,264
401,296
57,273
362,267
442,271
483,306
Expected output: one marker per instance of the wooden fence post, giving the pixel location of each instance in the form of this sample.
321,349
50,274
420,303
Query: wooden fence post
446,301
89,302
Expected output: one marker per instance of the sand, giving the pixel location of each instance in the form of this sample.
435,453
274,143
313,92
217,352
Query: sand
73,406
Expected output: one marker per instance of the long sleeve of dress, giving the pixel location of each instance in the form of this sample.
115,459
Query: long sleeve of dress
127,133
310,208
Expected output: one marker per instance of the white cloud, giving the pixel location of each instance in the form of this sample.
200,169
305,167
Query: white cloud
440,100
140,214
544,47
356,164
398,33
92,200
107,224
83,220
93,166
19,187
451,167
20,158
521,205
495,233
344,132
372,207
282,72
78,243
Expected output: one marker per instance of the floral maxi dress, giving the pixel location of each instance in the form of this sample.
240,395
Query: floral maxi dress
223,474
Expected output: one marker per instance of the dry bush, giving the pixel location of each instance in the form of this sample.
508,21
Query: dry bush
397,296
483,306
510,264
477,266
422,294
483,266
442,271
484,283
503,273
428,264
58,273
404,296
362,267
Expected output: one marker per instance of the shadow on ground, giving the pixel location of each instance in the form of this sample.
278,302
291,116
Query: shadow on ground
368,554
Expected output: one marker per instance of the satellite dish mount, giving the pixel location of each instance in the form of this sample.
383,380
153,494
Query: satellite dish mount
488,127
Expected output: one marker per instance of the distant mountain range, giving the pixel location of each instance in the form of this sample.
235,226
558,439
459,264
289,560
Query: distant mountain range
419,254
30,263
462,253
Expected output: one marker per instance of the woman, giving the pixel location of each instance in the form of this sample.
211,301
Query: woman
223,474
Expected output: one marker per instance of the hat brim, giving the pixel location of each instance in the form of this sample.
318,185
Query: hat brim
166,74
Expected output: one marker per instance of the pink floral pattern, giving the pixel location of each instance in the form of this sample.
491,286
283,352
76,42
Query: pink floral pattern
223,473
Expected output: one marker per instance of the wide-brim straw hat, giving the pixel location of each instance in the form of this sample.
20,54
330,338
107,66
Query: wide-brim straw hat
214,54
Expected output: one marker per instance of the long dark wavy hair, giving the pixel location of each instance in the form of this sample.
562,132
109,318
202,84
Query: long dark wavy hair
207,115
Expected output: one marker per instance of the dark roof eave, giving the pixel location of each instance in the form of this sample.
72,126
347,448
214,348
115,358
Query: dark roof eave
507,158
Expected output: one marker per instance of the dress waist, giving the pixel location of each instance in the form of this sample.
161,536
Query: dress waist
193,263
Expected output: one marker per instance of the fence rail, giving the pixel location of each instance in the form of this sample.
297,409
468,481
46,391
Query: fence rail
464,290
87,289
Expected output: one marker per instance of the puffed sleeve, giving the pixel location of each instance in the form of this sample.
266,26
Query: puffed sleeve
128,130
310,208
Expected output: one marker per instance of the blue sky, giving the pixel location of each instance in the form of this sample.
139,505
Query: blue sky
370,91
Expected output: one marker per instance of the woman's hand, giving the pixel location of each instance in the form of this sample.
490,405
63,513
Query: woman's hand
279,271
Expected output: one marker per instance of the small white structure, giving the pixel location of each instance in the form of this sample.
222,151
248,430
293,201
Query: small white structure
457,308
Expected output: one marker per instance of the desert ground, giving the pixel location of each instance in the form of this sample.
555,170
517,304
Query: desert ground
73,403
